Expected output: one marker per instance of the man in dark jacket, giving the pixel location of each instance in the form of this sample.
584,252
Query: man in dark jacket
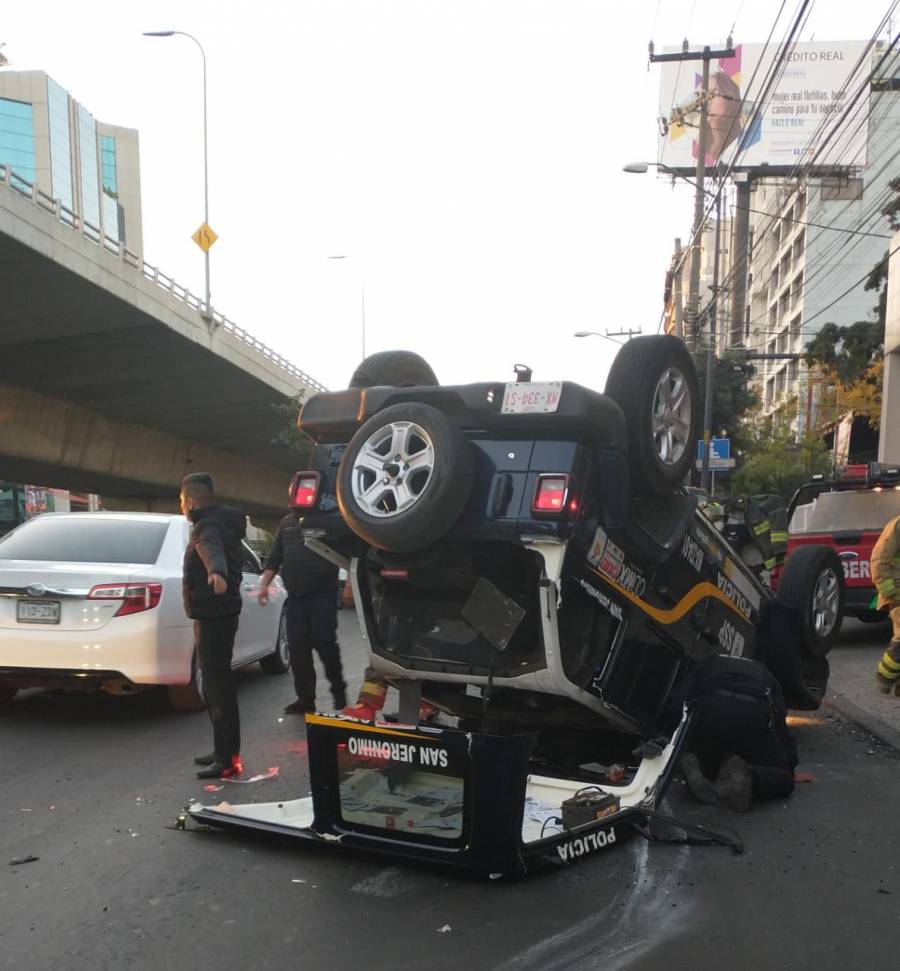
212,599
740,746
310,612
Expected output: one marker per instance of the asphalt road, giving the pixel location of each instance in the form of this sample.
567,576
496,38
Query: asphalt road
91,784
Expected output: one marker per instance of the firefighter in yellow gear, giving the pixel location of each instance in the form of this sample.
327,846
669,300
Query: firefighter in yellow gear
885,564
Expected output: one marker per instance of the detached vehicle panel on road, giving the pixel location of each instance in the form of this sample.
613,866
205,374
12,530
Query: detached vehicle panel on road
93,600
525,558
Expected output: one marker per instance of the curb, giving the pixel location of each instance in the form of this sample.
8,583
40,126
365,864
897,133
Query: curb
880,729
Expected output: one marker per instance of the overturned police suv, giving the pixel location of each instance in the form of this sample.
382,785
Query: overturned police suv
525,557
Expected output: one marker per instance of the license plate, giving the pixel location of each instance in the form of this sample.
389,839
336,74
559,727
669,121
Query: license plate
529,398
37,611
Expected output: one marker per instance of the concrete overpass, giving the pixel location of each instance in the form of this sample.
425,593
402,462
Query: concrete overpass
112,380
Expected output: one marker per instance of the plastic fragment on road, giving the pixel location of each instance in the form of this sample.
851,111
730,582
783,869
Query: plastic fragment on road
212,788
298,881
804,777
445,929
270,773
19,860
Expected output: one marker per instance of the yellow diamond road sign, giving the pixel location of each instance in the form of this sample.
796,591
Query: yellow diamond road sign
205,237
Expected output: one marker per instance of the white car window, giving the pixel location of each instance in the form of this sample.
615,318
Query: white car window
85,539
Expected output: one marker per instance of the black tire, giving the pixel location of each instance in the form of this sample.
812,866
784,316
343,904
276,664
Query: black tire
641,372
803,678
436,495
800,587
188,697
279,661
395,369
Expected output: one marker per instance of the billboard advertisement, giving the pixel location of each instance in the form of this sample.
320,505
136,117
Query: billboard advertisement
814,85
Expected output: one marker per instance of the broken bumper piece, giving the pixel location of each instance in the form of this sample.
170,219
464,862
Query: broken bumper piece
445,796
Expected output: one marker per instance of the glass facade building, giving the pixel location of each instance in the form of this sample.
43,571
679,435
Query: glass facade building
90,167
17,137
108,165
60,145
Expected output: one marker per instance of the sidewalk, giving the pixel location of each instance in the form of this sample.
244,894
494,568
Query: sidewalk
851,688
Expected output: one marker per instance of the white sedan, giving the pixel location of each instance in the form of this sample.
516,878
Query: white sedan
93,600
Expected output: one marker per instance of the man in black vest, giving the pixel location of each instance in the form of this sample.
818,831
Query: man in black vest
310,612
211,585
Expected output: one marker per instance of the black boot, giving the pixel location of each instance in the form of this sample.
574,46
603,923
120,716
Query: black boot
340,697
222,770
205,759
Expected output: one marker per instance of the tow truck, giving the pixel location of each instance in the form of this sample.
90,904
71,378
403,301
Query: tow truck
525,558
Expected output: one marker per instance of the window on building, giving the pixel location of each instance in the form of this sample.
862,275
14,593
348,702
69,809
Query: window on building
747,325
90,169
108,172
17,137
843,190
60,145
799,246
770,393
795,328
797,291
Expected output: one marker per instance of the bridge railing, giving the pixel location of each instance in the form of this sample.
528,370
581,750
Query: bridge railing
135,261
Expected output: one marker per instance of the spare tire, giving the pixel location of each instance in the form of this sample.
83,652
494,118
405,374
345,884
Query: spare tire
395,369
405,478
654,382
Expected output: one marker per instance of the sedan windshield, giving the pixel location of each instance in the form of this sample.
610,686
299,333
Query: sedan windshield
858,510
83,539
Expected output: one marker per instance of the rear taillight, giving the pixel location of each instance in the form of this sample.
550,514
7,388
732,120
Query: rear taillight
135,597
304,490
550,494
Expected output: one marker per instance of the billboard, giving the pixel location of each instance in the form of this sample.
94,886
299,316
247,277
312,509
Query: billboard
801,109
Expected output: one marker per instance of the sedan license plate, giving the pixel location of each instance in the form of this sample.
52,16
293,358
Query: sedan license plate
37,611
531,398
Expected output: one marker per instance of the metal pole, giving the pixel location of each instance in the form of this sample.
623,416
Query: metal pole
205,177
676,292
740,258
694,285
711,350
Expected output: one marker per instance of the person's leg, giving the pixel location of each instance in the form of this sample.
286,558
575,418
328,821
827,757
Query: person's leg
215,647
297,622
323,626
888,672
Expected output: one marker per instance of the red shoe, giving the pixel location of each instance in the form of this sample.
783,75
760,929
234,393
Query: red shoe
361,711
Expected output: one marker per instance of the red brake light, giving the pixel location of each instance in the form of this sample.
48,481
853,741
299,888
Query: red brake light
304,491
550,494
135,597
852,472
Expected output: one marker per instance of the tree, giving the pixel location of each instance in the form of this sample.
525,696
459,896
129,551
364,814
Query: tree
733,397
775,462
290,435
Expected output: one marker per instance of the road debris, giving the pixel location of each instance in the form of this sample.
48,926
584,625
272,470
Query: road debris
270,773
445,929
19,860
212,788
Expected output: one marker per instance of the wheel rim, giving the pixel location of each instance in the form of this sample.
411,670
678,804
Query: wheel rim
826,601
672,416
393,469
282,647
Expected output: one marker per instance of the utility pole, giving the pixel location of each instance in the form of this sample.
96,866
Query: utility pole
741,256
676,293
711,351
706,55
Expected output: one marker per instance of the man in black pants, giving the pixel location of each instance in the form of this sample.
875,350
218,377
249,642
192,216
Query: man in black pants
212,599
739,746
310,613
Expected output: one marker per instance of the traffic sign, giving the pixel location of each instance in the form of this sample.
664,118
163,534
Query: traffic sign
205,237
719,449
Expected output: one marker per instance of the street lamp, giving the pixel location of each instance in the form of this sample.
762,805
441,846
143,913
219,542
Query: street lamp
206,240
362,292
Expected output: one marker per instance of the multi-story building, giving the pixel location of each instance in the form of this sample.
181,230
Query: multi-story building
54,143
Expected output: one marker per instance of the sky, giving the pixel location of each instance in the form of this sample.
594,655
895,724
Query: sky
465,155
